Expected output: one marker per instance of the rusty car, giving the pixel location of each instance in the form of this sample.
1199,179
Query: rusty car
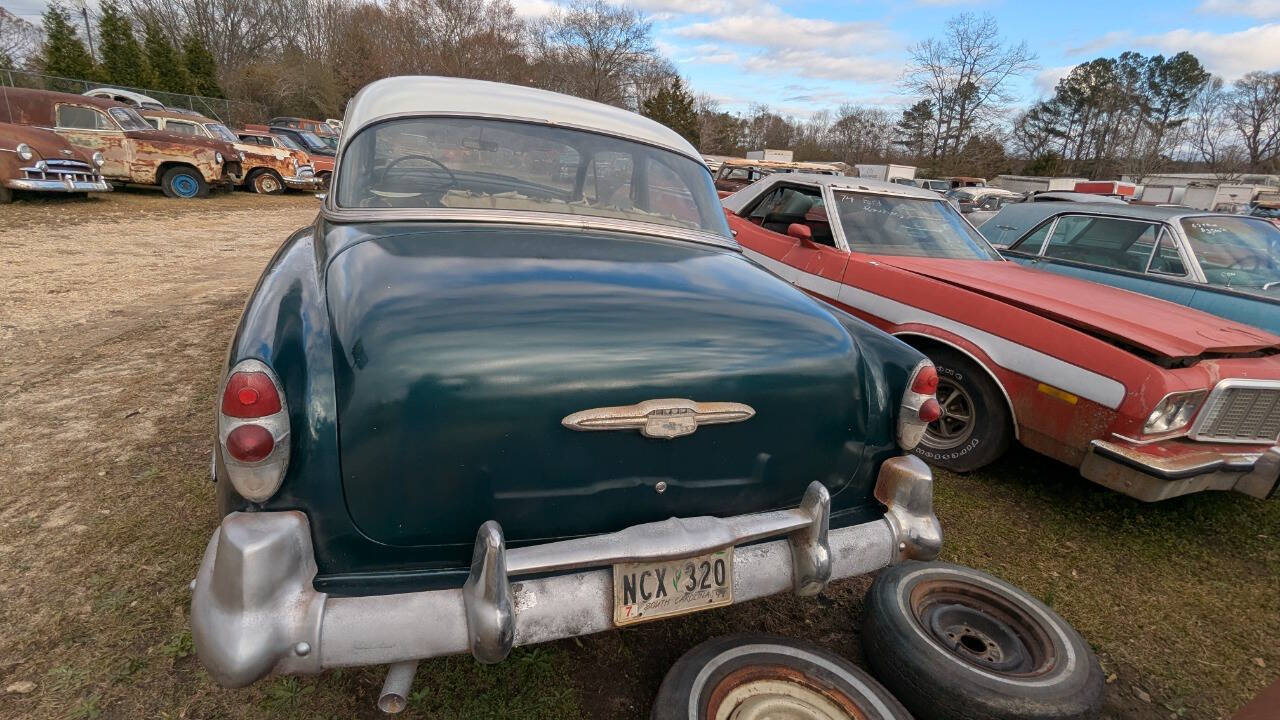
266,169
1145,397
41,161
320,154
737,173
133,151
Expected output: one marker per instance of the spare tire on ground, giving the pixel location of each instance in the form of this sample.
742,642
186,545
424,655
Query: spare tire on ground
751,676
954,643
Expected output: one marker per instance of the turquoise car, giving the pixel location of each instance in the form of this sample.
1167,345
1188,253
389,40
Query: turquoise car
1227,265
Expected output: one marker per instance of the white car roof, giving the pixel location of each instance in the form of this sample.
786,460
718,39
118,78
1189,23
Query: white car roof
109,92
423,95
743,197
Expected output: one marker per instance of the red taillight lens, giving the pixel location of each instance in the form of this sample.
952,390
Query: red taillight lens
930,410
250,395
250,443
926,381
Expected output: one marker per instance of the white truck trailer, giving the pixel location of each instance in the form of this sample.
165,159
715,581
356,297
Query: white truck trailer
887,173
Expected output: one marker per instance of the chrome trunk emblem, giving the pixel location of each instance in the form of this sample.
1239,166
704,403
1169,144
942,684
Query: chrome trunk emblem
665,419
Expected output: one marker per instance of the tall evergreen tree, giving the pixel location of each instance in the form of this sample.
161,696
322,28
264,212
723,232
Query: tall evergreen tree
163,59
200,66
674,107
123,62
62,53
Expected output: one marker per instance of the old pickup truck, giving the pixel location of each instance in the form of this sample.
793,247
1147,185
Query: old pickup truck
477,404
133,152
40,161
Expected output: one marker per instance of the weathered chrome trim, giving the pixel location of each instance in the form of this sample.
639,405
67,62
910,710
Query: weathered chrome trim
1222,387
905,486
521,217
58,186
302,182
255,610
663,418
1150,478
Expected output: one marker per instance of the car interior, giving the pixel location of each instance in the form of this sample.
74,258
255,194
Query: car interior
787,204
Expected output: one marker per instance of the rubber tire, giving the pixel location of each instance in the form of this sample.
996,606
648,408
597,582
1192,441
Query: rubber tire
171,175
253,182
935,684
994,432
677,687
325,177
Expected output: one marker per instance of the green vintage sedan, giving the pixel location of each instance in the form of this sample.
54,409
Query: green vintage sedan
485,402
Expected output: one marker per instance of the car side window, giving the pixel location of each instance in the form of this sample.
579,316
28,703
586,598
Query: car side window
794,204
1107,242
152,122
78,117
1031,243
1167,261
180,127
668,193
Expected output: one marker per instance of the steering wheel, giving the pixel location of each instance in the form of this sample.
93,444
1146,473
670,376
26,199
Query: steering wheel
419,189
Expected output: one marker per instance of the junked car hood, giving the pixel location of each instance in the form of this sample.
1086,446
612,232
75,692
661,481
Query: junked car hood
1162,328
46,143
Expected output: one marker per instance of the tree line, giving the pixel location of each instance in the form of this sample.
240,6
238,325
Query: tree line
1126,114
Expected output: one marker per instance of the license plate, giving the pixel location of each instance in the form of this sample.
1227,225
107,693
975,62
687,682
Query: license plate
652,590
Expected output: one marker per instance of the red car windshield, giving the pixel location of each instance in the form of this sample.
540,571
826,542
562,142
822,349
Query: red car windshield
916,227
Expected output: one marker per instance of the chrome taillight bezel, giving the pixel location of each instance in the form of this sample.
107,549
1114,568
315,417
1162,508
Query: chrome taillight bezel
910,427
256,481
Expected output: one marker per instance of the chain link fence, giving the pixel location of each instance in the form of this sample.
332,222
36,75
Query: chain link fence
233,113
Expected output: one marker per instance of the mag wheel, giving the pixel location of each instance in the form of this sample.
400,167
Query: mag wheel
764,677
959,644
975,426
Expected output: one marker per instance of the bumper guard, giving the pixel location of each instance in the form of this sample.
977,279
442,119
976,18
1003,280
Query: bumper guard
254,610
1150,478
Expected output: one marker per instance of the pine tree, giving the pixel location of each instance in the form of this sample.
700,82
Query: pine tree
122,60
163,60
674,107
200,67
62,53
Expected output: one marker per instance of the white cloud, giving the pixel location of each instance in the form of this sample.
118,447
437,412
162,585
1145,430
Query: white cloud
1047,79
1260,9
1227,54
533,8
810,63
773,28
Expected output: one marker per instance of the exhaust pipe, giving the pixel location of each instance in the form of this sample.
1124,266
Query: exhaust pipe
394,697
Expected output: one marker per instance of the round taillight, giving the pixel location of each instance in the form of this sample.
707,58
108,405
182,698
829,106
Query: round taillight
930,410
250,443
926,380
250,395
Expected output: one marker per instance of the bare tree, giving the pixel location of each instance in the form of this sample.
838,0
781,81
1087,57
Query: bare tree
18,39
1211,132
593,49
967,74
862,134
1255,112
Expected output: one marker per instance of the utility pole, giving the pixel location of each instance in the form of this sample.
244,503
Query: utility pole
88,31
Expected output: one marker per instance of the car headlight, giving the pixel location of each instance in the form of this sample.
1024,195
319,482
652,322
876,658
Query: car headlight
241,155
218,157
25,152
1174,412
98,159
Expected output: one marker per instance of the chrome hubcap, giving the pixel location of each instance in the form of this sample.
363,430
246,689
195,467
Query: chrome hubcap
778,700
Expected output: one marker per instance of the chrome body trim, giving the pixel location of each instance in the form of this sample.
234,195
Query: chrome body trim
302,182
1223,386
521,217
1152,478
255,611
663,419
58,185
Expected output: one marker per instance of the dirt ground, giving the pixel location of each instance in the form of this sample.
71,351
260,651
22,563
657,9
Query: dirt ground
114,317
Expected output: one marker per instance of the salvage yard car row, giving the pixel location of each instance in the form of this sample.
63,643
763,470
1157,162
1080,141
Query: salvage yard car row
87,143
527,376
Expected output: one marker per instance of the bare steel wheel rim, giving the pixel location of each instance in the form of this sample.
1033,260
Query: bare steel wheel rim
983,628
267,183
955,426
768,692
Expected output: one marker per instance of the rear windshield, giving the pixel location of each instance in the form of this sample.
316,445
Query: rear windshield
129,118
884,225
1237,252
470,163
221,132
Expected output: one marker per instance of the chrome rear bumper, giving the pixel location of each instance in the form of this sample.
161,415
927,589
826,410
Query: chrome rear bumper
1139,474
254,610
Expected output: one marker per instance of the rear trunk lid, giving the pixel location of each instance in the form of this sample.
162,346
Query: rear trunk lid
460,350
1158,327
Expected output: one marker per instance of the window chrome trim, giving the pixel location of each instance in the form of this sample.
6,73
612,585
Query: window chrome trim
522,217
1217,392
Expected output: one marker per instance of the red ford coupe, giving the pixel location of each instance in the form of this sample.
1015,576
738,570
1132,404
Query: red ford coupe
1146,397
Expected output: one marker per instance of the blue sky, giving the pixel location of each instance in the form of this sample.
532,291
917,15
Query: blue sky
801,56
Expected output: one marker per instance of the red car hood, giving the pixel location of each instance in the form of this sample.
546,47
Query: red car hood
1157,326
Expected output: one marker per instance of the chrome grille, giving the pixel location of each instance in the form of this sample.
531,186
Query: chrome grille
60,170
1245,411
